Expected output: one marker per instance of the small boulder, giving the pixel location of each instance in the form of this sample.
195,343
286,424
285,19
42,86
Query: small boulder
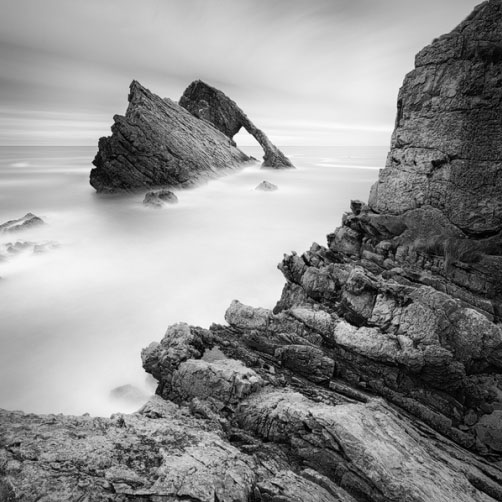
226,380
266,186
489,430
159,198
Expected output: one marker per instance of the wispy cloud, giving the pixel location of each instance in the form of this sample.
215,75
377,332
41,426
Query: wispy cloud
303,67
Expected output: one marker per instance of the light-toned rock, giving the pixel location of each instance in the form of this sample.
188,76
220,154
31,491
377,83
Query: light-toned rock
226,380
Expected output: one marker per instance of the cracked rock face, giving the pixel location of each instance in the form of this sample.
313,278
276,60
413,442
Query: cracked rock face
446,150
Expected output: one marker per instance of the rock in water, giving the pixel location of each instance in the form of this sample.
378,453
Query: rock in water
158,143
446,150
29,220
266,186
159,198
215,107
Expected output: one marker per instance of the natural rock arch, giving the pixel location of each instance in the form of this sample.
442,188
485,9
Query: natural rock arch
210,104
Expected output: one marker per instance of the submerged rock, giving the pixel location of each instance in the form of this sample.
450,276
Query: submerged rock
158,143
159,198
266,186
29,220
213,106
12,249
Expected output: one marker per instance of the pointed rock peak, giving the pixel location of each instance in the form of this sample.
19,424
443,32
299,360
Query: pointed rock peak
136,90
485,17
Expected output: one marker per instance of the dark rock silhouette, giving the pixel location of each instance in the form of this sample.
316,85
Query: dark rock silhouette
212,105
158,143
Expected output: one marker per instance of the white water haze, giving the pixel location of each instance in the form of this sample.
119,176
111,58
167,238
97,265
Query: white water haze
73,320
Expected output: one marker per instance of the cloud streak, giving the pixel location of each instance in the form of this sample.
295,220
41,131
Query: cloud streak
289,63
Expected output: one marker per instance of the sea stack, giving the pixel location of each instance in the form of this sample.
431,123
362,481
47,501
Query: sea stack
159,143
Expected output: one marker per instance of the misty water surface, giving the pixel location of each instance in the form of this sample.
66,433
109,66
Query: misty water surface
73,321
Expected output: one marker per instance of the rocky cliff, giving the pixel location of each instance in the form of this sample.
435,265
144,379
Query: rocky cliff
377,376
446,151
158,143
210,104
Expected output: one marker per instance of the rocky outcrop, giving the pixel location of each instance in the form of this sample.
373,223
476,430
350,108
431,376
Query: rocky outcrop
158,143
445,149
213,106
377,376
159,198
29,220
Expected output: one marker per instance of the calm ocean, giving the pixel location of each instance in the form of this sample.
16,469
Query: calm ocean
73,320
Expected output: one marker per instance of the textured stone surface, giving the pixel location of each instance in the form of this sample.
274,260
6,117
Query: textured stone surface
212,105
158,143
445,149
173,457
225,380
366,448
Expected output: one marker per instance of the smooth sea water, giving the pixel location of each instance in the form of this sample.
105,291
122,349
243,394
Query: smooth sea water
73,320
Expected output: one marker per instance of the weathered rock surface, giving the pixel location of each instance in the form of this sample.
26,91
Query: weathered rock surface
159,198
445,149
159,143
127,457
213,106
377,377
29,220
266,186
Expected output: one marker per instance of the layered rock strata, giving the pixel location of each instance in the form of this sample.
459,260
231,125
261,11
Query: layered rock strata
212,105
159,143
377,377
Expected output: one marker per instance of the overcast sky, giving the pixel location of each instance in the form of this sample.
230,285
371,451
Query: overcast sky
308,72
